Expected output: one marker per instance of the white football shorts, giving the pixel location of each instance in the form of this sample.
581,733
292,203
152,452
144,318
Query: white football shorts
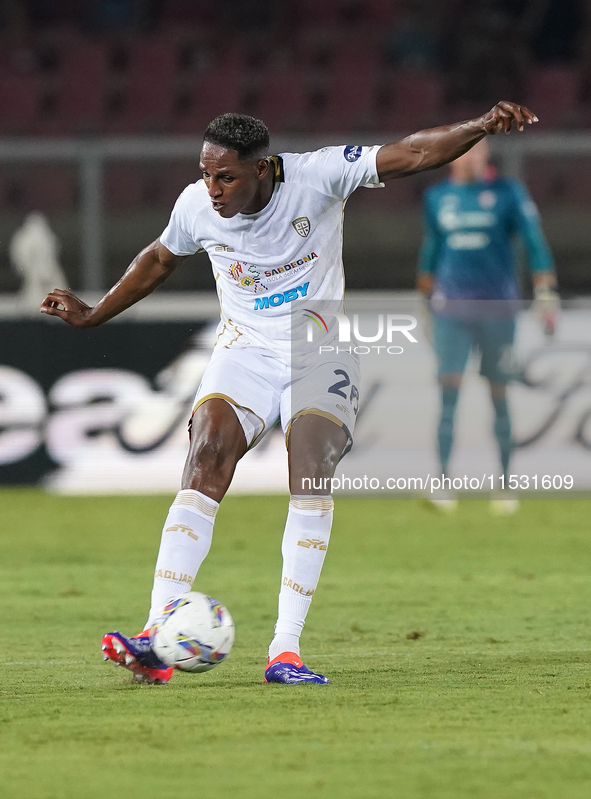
263,389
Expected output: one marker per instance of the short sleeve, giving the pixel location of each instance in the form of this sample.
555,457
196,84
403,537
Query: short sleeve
177,236
337,171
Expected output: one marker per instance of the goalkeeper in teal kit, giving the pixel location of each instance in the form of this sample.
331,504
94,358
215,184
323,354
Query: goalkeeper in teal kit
467,271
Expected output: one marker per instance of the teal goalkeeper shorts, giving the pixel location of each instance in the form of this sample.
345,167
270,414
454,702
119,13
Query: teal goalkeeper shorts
455,339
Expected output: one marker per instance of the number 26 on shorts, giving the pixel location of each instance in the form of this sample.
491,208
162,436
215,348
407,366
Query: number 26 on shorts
336,388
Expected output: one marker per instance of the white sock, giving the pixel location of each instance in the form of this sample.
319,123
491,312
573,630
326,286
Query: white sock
185,542
306,536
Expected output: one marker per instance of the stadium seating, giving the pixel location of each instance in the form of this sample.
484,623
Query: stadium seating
81,89
413,101
313,67
129,184
45,187
312,12
347,89
124,185
177,14
348,104
174,177
204,95
19,100
553,94
50,188
383,12
282,100
346,13
144,91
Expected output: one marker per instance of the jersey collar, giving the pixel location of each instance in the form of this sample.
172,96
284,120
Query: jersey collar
277,164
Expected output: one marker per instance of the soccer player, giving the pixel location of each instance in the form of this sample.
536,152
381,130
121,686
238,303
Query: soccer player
467,270
272,227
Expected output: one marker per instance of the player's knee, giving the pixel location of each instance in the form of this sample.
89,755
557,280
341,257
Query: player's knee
320,453
209,467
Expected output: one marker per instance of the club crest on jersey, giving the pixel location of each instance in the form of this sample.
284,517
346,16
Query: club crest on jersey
301,225
352,152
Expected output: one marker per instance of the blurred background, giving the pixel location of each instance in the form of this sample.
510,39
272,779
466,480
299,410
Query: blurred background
103,103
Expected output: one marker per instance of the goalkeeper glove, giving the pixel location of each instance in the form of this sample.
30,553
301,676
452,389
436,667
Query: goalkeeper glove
546,307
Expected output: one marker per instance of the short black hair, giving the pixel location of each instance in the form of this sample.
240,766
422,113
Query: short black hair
240,132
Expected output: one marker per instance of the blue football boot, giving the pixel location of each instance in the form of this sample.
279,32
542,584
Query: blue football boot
289,669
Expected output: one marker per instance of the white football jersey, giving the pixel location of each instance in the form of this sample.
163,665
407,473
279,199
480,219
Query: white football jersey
269,264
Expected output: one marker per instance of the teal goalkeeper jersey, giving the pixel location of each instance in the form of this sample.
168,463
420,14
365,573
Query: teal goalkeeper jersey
469,234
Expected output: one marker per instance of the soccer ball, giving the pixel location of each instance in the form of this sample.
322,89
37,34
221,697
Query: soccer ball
193,632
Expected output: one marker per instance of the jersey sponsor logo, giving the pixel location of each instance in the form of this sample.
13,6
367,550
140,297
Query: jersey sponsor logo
277,274
352,152
247,276
223,248
301,225
236,270
275,300
451,218
475,240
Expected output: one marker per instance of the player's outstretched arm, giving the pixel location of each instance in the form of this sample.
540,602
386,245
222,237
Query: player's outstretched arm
148,270
429,149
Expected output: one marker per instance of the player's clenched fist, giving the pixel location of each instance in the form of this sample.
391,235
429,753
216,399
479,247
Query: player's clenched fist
68,307
504,114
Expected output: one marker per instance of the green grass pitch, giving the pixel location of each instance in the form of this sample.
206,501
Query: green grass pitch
458,648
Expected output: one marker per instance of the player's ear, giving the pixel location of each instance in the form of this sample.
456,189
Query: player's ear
262,167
